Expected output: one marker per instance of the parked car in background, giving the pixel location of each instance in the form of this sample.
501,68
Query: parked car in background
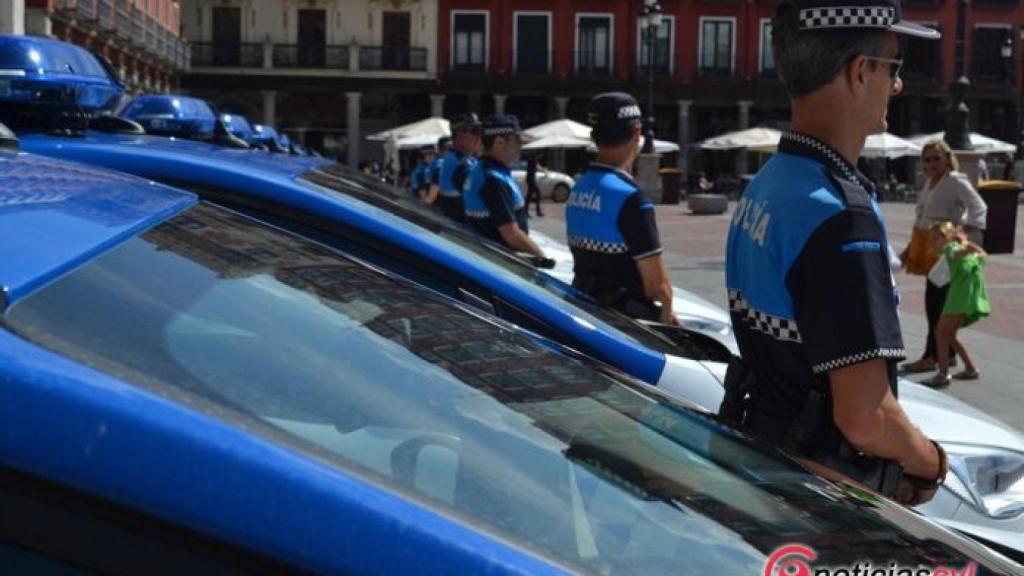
187,390
553,185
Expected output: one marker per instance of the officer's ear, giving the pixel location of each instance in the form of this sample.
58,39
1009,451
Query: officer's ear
857,71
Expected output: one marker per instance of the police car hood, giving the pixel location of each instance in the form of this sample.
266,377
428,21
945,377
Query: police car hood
948,420
684,302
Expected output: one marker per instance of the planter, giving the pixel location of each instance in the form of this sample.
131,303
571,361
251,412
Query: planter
707,203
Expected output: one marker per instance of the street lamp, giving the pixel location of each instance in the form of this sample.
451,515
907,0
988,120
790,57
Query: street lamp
650,20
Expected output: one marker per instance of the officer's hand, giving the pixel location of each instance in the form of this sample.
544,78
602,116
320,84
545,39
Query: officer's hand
914,491
667,317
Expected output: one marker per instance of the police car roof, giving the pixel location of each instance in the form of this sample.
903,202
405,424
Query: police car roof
169,104
54,215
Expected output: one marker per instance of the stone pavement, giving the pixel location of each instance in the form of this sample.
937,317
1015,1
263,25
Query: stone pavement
695,247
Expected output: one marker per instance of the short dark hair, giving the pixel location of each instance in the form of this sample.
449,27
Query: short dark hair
807,60
613,133
488,141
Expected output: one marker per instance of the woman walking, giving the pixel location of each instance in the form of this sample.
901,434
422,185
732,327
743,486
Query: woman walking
966,303
947,196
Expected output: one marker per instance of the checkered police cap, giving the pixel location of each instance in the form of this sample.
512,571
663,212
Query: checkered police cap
857,14
613,108
465,121
501,125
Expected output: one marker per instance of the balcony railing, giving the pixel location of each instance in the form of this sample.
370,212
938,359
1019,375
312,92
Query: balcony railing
105,14
392,58
123,23
531,62
151,35
138,20
246,55
80,9
304,56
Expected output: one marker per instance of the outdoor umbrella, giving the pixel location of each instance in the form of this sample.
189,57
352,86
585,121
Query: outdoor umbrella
557,142
982,144
752,139
558,128
888,146
429,127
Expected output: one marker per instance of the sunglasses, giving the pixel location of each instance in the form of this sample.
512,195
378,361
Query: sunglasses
895,64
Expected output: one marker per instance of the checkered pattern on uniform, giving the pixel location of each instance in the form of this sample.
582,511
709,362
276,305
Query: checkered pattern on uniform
847,17
451,193
478,214
598,246
834,158
888,353
774,326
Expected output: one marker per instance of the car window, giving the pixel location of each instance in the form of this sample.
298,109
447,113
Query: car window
376,376
53,530
335,179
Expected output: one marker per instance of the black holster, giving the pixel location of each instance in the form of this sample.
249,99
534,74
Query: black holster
615,295
812,434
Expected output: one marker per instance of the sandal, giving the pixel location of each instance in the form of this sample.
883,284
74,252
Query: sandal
918,366
967,375
938,381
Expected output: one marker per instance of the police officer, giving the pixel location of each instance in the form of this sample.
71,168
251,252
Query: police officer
610,222
493,202
811,293
430,192
456,165
419,180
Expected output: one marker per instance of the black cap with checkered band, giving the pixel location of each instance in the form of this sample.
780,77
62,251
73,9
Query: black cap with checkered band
613,108
860,14
501,125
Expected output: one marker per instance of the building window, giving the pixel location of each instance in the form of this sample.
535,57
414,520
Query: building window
922,58
993,54
663,46
594,44
767,63
533,42
469,41
227,35
716,46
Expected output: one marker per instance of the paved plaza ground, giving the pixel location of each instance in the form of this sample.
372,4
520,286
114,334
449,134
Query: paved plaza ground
695,252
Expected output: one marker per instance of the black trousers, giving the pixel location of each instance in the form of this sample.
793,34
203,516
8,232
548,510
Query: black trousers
934,301
532,196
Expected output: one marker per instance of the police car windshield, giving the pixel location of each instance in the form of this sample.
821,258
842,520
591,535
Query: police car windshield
292,341
341,179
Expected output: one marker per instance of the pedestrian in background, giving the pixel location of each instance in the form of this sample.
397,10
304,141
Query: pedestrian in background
966,303
947,195
429,193
419,180
532,189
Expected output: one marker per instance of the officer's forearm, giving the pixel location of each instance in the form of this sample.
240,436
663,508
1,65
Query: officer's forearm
654,275
516,239
871,419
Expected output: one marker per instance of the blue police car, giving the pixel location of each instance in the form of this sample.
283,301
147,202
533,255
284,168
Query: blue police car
239,127
186,390
335,207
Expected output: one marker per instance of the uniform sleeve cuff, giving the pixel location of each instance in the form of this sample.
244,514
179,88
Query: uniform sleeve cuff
654,252
859,358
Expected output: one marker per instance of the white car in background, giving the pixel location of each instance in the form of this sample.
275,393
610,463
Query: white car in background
983,496
553,185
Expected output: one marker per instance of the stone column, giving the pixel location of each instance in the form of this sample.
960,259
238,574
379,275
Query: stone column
12,16
437,105
268,54
744,123
499,103
562,105
683,136
354,136
269,107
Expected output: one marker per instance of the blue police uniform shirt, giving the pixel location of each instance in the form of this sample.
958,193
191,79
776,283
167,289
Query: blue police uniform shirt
455,169
493,199
434,170
419,178
610,224
807,270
